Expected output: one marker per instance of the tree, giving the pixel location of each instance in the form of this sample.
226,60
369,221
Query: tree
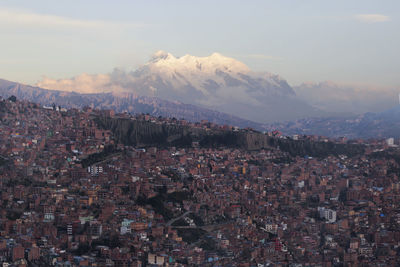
13,98
83,248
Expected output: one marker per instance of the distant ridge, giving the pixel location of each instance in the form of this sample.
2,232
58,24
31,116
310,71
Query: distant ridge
367,126
122,102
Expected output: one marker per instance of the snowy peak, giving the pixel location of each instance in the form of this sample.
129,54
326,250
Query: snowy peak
208,81
161,55
190,63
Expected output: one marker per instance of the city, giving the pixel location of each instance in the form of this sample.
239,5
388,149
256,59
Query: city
199,133
65,202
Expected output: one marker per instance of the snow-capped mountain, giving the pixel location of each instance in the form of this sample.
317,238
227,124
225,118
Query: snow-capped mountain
215,82
211,79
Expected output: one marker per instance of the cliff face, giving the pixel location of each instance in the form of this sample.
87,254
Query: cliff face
254,141
145,134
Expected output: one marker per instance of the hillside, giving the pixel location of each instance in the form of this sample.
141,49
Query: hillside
121,102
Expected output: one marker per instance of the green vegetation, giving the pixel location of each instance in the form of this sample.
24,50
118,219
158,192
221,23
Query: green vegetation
180,222
393,154
111,240
13,98
97,157
208,244
178,196
13,214
3,161
158,201
191,235
197,219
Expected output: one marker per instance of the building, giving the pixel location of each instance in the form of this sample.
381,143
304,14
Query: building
390,141
327,214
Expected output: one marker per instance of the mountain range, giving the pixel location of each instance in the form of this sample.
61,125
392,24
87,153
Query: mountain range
223,90
214,82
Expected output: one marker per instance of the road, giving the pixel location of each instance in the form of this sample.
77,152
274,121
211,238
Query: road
208,228
170,222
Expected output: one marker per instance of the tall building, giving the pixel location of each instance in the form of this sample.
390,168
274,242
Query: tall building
327,214
18,253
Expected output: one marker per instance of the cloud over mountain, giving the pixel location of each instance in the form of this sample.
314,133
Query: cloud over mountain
84,83
333,97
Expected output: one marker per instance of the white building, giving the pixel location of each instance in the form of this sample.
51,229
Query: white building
155,259
95,170
327,214
126,226
390,141
271,228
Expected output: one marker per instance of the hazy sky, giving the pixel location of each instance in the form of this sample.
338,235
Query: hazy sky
353,41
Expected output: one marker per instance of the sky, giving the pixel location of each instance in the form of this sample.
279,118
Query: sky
349,41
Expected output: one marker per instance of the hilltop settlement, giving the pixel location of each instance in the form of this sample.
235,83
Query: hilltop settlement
94,188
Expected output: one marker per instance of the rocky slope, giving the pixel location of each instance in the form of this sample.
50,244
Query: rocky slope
145,134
